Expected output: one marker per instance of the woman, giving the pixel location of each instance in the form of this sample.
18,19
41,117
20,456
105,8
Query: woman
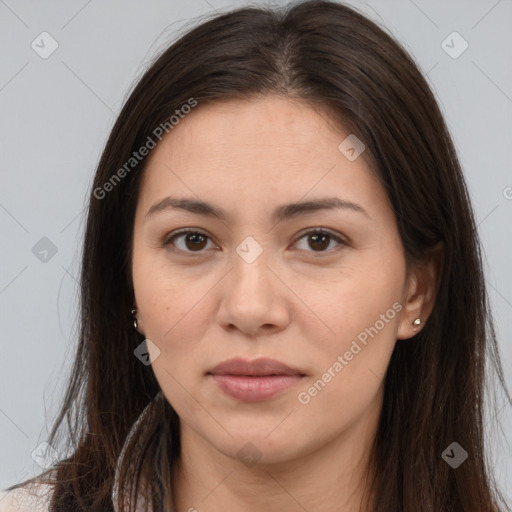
282,298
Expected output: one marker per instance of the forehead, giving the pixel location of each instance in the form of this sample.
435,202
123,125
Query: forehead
257,151
261,124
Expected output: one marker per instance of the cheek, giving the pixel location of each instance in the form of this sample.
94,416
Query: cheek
166,299
362,311
350,367
176,311
356,296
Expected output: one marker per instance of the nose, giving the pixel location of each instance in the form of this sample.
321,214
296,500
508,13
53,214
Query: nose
254,298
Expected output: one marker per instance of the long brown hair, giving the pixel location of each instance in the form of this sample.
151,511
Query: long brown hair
327,55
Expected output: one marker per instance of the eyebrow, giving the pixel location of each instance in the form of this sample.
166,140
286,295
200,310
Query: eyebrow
284,212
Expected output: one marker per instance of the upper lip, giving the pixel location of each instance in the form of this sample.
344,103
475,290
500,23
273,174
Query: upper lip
262,366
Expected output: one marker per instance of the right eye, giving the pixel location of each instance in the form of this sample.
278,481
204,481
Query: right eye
192,241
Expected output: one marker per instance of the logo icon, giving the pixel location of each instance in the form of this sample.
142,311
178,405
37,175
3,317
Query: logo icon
44,45
454,455
351,147
45,455
147,352
249,454
44,250
454,45
249,250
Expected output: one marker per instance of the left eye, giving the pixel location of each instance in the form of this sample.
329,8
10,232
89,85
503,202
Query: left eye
195,241
321,239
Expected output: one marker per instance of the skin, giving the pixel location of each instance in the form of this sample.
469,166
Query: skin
297,303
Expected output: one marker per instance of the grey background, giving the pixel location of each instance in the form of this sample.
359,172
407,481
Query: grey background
56,114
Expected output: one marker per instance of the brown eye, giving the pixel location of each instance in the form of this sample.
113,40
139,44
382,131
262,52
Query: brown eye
188,241
191,241
319,241
195,241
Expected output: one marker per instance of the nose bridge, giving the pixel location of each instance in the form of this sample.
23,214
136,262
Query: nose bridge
250,267
251,296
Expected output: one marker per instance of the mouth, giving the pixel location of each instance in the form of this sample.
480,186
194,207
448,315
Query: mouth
254,381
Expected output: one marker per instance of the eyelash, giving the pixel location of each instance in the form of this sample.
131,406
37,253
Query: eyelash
315,231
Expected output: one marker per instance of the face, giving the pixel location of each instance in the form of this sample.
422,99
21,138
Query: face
319,289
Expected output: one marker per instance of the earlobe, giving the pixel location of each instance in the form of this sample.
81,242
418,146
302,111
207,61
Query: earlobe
134,317
136,321
421,294
407,331
412,309
416,323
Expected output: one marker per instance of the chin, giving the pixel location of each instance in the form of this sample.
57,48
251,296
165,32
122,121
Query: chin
260,443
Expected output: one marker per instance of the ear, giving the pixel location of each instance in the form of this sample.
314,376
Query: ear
420,291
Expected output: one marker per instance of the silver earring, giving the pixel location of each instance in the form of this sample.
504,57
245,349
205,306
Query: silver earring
416,323
134,312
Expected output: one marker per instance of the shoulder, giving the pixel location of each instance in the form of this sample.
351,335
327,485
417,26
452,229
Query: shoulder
33,498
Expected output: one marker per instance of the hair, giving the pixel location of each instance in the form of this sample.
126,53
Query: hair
328,56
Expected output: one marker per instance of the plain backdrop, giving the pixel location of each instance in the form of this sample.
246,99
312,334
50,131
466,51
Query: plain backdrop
57,110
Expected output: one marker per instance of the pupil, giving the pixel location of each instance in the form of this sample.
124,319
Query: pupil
194,237
197,241
324,237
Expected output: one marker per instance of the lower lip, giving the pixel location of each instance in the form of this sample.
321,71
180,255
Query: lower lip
257,388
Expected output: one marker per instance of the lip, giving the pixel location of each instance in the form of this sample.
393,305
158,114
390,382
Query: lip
259,367
254,381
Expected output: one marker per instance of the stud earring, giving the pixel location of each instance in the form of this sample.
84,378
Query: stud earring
416,323
133,312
